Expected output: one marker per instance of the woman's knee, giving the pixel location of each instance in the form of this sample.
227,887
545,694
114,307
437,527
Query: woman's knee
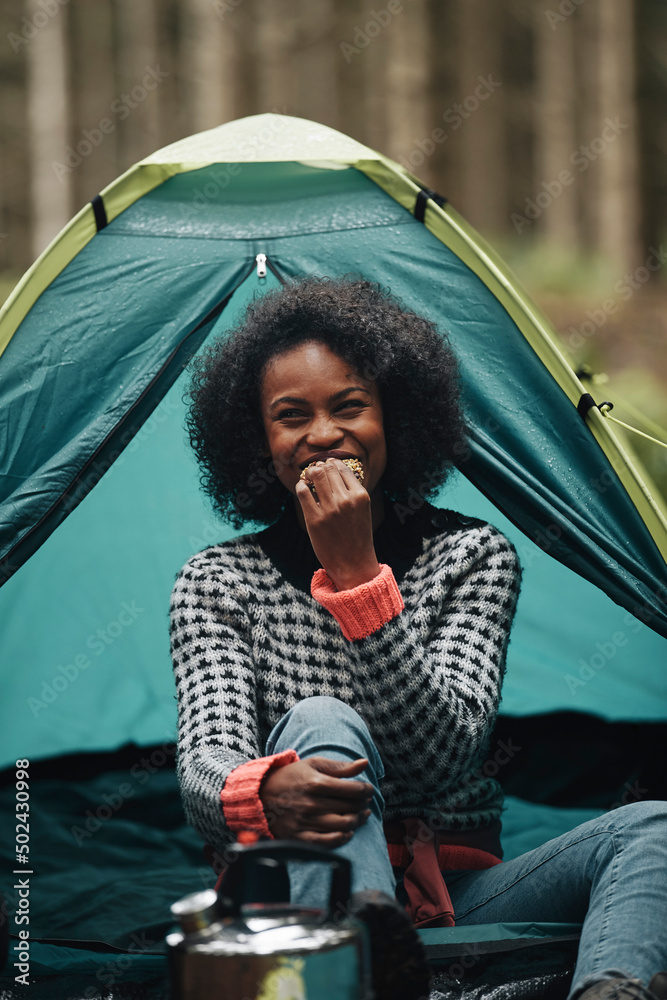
640,824
647,813
321,724
323,709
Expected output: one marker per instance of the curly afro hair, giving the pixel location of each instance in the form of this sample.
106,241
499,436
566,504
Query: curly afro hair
411,362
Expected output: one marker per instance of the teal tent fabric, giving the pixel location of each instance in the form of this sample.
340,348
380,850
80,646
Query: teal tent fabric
94,374
105,341
572,648
96,672
119,853
100,505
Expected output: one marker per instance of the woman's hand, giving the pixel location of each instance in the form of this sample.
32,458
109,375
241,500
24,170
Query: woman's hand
339,523
309,800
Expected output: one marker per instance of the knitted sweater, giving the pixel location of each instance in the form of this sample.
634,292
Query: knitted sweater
249,640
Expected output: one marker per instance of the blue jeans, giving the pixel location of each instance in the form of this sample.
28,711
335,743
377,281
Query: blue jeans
610,874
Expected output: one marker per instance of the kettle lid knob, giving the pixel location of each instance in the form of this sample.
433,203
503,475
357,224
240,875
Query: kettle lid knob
196,911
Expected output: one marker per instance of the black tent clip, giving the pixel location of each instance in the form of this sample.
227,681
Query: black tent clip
422,197
100,212
587,402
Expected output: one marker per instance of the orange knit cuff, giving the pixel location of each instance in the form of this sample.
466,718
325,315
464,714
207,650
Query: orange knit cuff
363,609
240,799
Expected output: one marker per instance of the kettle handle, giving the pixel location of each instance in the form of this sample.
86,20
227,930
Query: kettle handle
229,894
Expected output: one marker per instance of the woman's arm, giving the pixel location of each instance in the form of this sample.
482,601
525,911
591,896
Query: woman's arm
215,684
226,784
433,700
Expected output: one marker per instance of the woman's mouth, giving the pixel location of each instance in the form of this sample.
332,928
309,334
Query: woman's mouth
352,463
322,456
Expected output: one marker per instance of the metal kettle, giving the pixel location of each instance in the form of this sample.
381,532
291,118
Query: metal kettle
228,950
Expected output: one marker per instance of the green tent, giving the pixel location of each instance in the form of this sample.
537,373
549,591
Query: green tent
99,496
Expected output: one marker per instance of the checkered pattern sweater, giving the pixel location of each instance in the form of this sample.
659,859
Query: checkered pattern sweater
249,640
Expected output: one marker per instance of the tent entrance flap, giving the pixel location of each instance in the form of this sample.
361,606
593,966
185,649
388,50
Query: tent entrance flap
122,546
324,221
100,671
125,426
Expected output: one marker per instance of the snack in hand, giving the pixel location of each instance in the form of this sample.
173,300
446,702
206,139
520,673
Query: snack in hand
352,463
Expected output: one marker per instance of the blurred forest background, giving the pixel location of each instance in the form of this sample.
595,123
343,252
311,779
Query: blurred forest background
542,121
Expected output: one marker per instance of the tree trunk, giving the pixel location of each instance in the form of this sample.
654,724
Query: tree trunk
93,94
48,124
442,58
611,171
357,82
273,47
555,129
476,128
138,106
409,124
617,216
518,91
373,63
208,63
315,62
15,247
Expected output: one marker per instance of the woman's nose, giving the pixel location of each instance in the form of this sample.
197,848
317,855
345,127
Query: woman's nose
324,430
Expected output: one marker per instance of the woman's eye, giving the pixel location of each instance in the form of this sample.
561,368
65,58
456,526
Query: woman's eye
346,405
352,402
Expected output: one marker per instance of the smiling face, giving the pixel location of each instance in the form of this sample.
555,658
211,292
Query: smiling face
312,403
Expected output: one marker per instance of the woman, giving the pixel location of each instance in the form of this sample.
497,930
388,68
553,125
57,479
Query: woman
339,672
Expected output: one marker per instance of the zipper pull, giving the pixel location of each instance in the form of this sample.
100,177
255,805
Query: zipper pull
261,265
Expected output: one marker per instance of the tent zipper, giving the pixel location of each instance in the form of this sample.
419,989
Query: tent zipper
264,264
